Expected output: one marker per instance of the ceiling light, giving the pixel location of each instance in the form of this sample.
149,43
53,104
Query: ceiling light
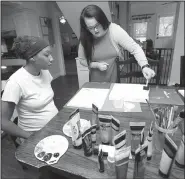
3,67
62,20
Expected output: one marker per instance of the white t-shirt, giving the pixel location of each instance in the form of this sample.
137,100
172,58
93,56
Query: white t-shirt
33,97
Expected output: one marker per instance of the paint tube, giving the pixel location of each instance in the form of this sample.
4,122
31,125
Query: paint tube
140,160
87,142
115,126
94,119
122,160
168,156
111,162
75,129
136,129
105,149
93,133
179,161
105,128
100,162
150,142
120,140
142,139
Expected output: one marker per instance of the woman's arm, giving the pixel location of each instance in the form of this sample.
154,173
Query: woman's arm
83,61
7,125
122,38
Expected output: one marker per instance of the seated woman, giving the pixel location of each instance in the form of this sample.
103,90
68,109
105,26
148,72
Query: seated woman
29,89
101,42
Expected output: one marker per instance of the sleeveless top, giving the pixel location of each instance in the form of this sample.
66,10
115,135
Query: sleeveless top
104,51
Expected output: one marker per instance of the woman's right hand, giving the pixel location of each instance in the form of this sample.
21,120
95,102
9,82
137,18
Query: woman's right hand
102,66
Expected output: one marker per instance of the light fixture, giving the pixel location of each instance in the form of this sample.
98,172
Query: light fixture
62,20
3,67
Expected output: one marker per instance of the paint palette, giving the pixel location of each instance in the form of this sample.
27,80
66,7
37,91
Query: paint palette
67,128
51,148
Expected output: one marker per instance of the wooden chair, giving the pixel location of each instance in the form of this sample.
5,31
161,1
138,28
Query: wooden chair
130,70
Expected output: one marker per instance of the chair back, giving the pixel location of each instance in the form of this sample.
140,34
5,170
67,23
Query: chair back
128,71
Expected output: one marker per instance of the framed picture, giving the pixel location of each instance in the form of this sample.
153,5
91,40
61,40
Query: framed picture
74,36
47,30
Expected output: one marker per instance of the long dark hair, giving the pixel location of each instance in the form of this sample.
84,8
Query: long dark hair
86,38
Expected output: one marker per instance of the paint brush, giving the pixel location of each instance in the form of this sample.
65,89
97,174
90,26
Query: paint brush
146,87
151,109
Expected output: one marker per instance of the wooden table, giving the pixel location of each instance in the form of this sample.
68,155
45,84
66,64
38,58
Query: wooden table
74,164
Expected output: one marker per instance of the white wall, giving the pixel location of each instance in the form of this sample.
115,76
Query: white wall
72,11
179,47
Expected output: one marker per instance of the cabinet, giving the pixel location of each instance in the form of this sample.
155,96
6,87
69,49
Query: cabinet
83,73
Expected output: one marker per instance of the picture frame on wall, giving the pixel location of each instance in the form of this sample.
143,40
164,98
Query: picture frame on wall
47,30
74,36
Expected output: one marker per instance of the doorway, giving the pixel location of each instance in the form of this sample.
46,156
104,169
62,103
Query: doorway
70,46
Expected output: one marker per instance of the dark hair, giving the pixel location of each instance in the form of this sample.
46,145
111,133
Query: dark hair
22,44
86,38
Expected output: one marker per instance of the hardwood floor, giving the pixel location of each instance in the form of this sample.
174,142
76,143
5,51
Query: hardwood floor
64,88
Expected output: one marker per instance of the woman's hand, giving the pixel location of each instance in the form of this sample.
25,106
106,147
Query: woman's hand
148,73
102,66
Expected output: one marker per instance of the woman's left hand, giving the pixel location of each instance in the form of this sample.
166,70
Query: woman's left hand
148,73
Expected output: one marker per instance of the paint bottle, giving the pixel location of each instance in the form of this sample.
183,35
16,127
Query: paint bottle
140,161
122,160
105,128
105,149
100,162
115,125
179,160
75,129
93,133
120,140
168,156
150,142
94,119
111,162
87,142
136,129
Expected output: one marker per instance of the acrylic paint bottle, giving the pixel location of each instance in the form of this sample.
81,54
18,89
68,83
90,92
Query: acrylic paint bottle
122,160
105,128
87,142
75,129
105,149
150,142
101,162
140,161
119,140
168,156
179,160
93,133
115,125
95,119
111,162
136,129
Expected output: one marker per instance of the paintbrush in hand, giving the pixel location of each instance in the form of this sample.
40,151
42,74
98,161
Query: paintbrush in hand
146,87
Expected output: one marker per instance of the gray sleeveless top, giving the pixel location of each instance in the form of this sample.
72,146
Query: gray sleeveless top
104,51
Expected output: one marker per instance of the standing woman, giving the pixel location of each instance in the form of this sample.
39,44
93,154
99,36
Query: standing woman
29,89
101,42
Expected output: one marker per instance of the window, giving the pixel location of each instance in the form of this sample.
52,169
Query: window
140,31
165,26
